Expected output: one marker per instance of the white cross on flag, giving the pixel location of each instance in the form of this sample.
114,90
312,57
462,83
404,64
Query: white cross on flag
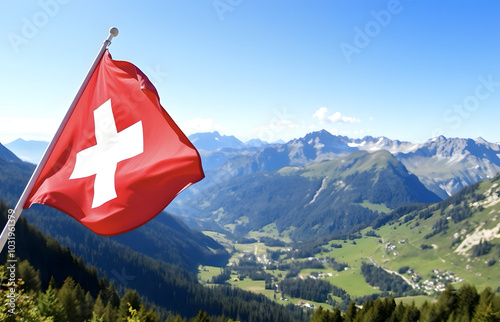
120,158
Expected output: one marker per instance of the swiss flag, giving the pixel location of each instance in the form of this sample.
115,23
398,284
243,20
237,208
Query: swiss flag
120,158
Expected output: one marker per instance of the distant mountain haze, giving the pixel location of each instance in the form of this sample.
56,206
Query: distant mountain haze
29,151
7,155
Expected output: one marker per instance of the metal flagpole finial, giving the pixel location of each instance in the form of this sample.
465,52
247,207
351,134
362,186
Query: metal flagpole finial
113,31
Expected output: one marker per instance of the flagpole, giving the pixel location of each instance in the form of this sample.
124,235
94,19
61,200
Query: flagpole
14,214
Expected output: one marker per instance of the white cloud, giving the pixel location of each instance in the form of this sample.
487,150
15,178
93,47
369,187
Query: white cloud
323,116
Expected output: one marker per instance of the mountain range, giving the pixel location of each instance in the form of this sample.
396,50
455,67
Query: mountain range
442,165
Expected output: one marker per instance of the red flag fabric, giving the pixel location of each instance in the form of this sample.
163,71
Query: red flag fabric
120,159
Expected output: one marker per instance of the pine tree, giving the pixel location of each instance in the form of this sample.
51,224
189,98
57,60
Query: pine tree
67,297
412,313
201,317
389,307
80,298
487,315
484,309
336,316
367,308
130,299
350,313
446,304
133,315
110,313
52,283
319,315
95,318
467,301
87,306
398,313
99,307
148,315
29,275
178,318
108,294
113,297
49,305
378,312
425,309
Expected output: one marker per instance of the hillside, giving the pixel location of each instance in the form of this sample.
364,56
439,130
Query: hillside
319,199
412,253
7,156
171,288
460,234
47,255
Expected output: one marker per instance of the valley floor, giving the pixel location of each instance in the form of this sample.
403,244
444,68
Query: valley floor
427,271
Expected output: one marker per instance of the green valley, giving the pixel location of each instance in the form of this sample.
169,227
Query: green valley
412,253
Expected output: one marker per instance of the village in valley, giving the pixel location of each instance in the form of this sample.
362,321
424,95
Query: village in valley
337,262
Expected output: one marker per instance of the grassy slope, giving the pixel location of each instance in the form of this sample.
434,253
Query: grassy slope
408,253
443,256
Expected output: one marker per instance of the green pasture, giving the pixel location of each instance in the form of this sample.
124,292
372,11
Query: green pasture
205,273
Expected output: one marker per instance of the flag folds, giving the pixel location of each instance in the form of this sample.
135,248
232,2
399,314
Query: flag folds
120,159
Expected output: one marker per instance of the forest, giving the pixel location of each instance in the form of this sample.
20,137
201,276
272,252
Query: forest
464,304
70,302
175,290
376,276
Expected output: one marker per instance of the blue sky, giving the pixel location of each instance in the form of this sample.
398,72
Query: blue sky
407,70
